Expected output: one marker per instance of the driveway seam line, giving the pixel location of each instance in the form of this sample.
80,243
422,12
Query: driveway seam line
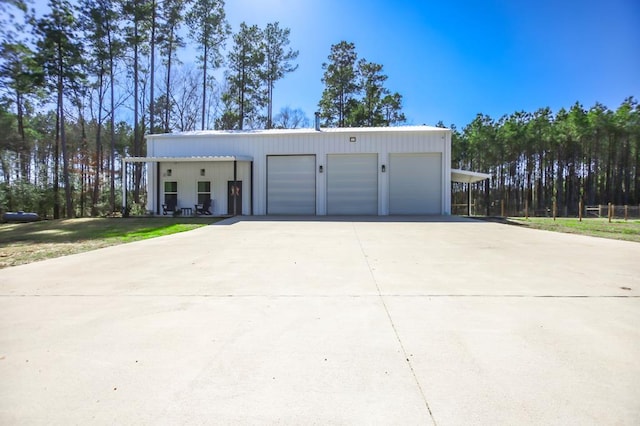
393,326
240,296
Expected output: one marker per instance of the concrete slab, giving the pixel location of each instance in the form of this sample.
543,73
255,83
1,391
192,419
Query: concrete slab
327,321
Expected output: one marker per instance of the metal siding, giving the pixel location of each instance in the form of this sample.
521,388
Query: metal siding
352,184
291,184
415,183
319,143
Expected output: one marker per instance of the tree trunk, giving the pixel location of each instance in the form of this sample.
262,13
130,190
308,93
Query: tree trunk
152,102
24,149
270,105
167,104
204,82
63,141
56,167
98,158
242,90
112,111
136,124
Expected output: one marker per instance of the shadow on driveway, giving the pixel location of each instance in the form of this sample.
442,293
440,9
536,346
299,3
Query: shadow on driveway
357,219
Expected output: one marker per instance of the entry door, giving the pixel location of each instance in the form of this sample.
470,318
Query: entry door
291,184
234,194
352,184
415,183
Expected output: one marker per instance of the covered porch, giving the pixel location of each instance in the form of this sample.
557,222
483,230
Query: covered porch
188,182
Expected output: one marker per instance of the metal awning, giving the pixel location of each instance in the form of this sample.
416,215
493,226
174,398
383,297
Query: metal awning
465,176
192,159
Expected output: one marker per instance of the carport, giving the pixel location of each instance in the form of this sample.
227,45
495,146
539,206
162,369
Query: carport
465,176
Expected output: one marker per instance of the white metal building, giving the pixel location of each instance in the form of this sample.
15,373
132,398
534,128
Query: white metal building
334,171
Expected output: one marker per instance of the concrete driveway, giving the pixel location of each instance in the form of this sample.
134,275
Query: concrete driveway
331,321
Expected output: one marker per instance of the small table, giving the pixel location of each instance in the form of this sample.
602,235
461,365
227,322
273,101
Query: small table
186,211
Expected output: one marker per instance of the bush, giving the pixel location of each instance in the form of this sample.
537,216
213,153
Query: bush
137,209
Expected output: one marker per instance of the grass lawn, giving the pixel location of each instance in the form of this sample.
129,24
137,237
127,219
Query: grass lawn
28,242
617,229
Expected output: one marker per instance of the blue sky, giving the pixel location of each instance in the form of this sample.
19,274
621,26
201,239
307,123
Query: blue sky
453,59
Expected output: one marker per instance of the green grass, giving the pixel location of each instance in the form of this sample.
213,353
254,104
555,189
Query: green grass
617,229
28,242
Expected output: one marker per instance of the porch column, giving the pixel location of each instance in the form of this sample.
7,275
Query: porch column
124,186
158,188
235,184
469,198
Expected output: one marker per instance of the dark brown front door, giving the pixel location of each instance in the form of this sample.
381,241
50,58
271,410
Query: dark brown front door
234,197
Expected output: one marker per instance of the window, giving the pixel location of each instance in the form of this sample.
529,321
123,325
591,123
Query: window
171,193
204,191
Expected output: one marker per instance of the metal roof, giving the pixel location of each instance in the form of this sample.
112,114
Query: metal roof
465,176
305,131
188,159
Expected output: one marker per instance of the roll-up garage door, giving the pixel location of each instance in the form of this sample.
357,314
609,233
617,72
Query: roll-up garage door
291,184
352,184
415,183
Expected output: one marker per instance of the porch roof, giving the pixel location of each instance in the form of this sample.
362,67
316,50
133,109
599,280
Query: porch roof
191,159
466,176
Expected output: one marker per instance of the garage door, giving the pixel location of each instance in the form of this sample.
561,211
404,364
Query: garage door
291,184
415,184
352,184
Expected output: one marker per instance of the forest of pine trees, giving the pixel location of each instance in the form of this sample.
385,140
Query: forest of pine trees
589,155
82,84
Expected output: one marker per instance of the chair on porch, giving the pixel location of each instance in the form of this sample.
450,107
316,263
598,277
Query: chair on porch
169,207
204,208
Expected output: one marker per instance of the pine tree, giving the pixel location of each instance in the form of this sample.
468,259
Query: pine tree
98,23
22,75
170,41
60,50
278,61
370,80
208,26
339,96
135,38
245,97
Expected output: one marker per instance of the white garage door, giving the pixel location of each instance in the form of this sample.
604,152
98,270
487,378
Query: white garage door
415,183
352,184
291,184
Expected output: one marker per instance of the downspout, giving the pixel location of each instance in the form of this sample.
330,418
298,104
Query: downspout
251,183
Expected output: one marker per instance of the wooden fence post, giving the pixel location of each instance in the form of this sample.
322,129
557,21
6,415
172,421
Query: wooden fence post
626,212
610,212
502,208
555,209
526,209
580,210
599,210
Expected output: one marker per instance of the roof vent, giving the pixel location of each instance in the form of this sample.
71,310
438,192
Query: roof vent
317,121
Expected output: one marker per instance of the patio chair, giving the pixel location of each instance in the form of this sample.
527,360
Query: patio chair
169,207
204,208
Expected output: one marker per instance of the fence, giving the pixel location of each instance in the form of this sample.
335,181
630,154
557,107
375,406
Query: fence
611,211
501,208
